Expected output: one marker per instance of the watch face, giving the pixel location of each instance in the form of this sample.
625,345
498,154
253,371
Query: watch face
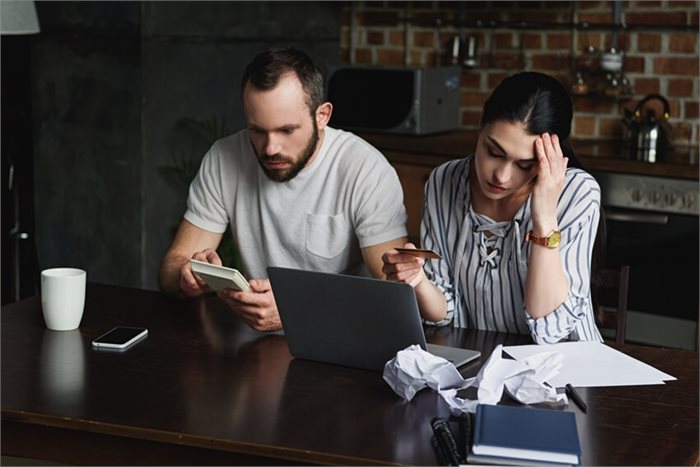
554,239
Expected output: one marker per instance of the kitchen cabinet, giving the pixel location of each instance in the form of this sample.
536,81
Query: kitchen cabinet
413,177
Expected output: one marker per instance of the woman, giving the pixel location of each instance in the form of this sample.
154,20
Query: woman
514,225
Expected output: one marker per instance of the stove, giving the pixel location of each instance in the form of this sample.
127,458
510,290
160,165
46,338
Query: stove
652,226
660,194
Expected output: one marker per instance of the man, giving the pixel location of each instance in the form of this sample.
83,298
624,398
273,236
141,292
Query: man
295,192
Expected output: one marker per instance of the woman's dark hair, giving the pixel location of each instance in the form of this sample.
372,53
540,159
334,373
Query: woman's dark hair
543,105
268,67
538,101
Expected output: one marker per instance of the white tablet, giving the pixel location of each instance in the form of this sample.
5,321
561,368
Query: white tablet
219,277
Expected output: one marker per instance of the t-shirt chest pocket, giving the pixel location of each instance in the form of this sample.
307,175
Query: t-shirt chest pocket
326,236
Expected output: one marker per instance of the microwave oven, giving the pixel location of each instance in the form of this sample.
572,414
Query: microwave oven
395,100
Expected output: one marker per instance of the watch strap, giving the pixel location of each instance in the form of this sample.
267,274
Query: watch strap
547,240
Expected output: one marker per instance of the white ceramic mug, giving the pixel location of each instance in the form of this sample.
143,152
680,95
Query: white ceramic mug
63,297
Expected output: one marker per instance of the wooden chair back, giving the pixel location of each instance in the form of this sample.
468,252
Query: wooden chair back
610,287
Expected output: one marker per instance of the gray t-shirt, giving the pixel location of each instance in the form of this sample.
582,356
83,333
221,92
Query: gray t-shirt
348,198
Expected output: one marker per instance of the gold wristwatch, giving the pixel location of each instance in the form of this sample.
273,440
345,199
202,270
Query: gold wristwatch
550,240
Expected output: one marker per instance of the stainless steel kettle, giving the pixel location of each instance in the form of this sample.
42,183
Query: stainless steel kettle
648,138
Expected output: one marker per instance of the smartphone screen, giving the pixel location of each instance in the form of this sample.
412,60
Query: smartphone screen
120,337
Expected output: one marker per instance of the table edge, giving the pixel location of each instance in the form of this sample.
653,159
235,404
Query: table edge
185,439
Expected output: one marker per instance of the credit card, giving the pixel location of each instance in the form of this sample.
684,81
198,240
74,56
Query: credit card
419,253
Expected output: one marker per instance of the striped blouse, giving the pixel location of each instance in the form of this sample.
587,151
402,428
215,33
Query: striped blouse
483,277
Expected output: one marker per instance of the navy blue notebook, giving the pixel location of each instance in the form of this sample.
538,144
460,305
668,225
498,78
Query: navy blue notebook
526,433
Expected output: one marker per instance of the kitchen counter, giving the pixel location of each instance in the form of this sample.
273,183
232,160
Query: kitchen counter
601,156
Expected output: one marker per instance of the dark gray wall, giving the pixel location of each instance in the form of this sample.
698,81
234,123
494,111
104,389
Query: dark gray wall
111,81
86,69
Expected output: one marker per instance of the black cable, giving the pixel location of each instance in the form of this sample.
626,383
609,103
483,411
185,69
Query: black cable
441,456
464,423
445,441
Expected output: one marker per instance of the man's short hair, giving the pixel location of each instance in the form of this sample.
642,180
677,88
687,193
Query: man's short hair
267,68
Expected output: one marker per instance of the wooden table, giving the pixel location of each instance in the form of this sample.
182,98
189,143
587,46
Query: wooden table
203,389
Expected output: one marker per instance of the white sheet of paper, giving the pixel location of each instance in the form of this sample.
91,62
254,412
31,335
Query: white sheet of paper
591,364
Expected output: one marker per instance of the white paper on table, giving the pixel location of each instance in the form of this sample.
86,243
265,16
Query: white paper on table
592,364
413,369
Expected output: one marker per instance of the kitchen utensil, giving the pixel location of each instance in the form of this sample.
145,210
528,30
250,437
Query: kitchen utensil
611,60
471,57
648,138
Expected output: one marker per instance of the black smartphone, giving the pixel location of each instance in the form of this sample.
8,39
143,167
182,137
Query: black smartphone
120,337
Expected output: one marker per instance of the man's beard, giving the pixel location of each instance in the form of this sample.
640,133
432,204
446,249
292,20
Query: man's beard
305,155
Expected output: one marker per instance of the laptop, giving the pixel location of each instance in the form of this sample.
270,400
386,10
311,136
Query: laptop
351,321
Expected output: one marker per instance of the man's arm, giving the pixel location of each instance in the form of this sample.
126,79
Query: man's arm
372,255
256,307
189,240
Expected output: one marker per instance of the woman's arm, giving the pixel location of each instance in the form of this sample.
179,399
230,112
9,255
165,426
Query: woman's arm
546,287
578,214
444,196
401,267
433,280
578,230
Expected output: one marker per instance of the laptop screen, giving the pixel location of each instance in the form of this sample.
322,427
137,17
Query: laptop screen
346,320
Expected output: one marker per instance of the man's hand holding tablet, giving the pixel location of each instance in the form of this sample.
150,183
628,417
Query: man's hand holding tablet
219,277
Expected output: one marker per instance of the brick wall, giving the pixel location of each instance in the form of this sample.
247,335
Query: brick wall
660,46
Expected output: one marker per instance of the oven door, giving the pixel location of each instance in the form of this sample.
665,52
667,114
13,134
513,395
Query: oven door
662,251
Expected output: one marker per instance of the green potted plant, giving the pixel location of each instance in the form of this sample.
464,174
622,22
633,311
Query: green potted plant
197,136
